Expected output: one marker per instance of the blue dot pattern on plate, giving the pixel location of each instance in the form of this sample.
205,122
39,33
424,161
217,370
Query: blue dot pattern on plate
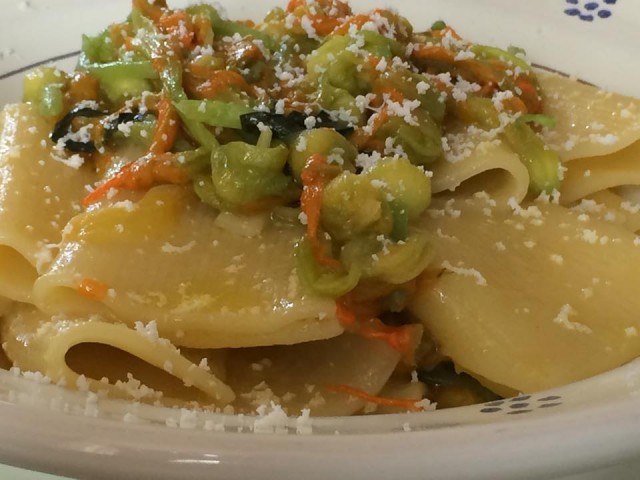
521,404
588,11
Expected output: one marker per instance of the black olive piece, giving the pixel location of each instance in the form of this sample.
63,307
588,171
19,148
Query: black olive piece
111,123
395,319
61,129
445,375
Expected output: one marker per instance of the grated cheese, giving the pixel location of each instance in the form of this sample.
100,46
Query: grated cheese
557,259
169,248
563,319
274,421
150,330
465,272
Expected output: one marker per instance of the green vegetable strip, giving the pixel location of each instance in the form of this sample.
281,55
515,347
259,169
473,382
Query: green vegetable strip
400,218
212,112
98,49
321,280
244,174
171,75
204,189
120,78
403,261
482,112
199,133
154,48
44,87
195,161
264,141
228,28
51,104
117,70
135,136
543,120
499,54
542,163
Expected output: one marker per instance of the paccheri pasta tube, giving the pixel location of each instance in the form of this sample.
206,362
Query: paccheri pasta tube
325,211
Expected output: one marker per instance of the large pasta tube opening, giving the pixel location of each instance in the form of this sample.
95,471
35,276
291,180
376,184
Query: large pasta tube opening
299,376
45,343
17,275
478,161
134,377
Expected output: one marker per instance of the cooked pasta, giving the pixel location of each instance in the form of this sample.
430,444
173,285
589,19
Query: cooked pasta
325,212
38,199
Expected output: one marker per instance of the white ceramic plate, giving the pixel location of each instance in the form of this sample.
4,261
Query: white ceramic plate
583,427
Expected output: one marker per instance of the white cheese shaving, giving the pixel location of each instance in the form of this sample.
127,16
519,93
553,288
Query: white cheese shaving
563,319
150,330
169,248
466,272
274,421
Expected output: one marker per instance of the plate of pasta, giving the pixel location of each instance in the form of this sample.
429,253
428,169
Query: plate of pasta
319,238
